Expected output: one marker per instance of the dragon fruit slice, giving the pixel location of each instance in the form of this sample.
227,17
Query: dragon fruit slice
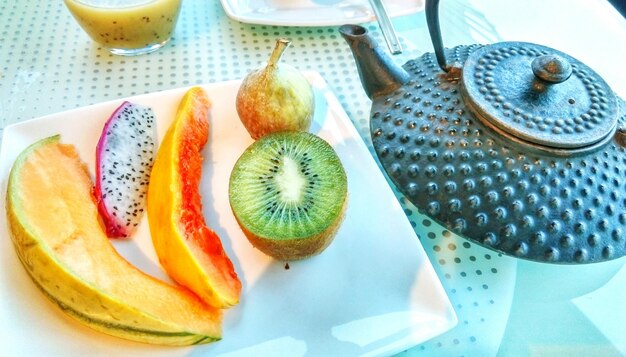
124,158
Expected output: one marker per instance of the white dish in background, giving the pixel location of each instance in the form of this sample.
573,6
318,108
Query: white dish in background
313,12
373,291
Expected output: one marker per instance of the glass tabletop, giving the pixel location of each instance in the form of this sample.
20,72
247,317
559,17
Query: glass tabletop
504,306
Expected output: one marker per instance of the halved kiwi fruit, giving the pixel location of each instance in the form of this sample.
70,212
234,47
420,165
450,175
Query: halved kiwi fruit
288,192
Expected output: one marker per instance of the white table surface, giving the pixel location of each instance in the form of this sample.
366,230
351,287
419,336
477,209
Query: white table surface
505,306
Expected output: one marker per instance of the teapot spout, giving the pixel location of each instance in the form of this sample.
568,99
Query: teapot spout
379,74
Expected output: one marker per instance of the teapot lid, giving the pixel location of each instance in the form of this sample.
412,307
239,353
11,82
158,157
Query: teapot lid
538,96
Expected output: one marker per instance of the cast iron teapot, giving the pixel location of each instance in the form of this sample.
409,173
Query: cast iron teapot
515,146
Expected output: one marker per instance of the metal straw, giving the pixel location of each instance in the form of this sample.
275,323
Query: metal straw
386,26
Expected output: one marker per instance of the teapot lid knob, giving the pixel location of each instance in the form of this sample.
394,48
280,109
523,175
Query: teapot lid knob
551,68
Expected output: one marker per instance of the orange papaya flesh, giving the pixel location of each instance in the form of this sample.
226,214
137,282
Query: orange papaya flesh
190,252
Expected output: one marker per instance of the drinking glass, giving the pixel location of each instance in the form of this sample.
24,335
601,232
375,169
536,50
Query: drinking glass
127,27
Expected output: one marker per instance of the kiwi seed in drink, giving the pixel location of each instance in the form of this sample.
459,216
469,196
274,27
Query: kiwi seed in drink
288,192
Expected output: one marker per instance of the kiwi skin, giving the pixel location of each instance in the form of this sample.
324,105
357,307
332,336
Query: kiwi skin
297,248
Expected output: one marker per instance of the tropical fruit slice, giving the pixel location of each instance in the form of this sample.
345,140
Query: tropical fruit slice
288,192
190,252
124,157
54,226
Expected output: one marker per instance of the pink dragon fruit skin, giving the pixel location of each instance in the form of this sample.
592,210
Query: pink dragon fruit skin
124,158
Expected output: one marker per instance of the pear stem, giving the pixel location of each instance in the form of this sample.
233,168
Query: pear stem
281,46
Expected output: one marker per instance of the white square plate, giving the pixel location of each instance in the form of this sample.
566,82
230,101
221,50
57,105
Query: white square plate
373,291
313,12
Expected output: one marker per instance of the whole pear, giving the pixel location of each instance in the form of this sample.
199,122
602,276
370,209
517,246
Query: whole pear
275,97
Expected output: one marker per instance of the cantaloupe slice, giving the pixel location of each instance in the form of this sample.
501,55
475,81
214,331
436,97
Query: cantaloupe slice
54,225
189,251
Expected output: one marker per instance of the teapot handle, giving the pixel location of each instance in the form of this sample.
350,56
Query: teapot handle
432,20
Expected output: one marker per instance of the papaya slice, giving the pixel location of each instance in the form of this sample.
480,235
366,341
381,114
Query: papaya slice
189,251
55,228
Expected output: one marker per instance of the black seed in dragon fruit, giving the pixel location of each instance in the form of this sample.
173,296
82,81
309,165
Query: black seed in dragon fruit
124,158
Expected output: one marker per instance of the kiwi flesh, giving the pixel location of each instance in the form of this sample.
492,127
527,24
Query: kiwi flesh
288,192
